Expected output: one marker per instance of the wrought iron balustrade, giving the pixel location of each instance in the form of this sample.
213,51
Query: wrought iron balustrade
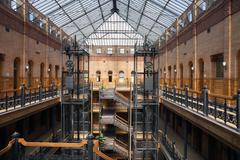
170,147
12,99
222,109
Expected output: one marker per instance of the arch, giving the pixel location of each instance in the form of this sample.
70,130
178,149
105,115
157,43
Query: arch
201,73
110,73
29,73
98,76
181,74
16,73
2,84
238,69
169,75
191,70
121,76
56,72
42,68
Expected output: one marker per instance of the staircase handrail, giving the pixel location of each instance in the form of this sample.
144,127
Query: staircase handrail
121,119
120,143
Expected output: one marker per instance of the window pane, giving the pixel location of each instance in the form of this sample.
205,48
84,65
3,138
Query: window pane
219,69
132,51
99,50
109,51
122,51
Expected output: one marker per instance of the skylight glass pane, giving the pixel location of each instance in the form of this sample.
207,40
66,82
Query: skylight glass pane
115,31
88,15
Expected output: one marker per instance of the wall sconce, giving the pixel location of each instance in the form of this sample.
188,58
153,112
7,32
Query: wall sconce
49,69
27,68
175,70
192,68
224,65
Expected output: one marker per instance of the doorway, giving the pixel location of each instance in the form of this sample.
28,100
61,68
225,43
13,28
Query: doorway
110,76
16,73
42,74
238,69
181,75
169,75
201,73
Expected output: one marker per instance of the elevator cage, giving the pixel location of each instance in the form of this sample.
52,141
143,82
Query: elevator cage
75,97
146,103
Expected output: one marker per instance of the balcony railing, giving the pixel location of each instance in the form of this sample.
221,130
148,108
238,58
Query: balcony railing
12,99
104,84
170,147
223,109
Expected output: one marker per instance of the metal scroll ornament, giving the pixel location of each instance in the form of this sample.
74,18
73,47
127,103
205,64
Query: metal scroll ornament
69,65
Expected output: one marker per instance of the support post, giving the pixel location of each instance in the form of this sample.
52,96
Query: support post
130,124
91,107
52,90
22,95
53,120
90,146
205,100
186,95
185,140
40,92
173,149
174,93
238,110
16,152
6,101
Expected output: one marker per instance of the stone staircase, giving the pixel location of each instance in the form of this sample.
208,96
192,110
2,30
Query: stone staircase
111,93
116,121
117,146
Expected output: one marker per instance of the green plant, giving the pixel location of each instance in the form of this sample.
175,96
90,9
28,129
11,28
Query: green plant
101,138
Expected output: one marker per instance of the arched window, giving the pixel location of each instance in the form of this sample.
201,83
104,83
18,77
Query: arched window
164,76
169,75
201,73
56,72
110,76
16,73
98,76
1,70
238,68
132,76
121,76
42,66
181,75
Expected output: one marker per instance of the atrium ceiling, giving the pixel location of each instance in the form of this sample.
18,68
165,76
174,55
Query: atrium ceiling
112,22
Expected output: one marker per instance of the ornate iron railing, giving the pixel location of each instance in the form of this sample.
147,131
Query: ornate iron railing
222,109
12,99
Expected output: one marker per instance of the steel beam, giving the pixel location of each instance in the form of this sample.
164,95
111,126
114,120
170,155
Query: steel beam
90,24
65,5
70,18
140,19
158,17
127,10
85,14
101,10
144,14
